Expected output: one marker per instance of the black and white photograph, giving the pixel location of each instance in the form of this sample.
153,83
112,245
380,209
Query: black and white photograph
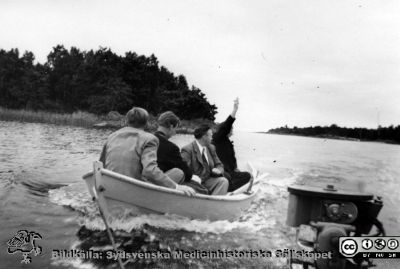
199,134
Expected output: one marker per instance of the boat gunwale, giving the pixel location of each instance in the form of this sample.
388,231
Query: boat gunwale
222,198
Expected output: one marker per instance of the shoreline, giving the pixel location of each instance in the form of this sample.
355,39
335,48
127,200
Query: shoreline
335,137
111,121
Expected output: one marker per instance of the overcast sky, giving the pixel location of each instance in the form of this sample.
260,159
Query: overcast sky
298,63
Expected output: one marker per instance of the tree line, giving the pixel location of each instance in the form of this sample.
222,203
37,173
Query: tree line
97,82
388,134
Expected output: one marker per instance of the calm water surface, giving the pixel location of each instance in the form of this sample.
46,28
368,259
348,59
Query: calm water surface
41,190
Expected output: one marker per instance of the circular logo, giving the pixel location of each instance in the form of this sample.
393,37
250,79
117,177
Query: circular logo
392,244
367,244
349,247
380,244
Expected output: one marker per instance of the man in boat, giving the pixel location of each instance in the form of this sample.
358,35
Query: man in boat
226,151
168,154
201,157
133,152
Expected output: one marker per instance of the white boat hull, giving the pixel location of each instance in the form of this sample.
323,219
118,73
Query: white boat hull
130,192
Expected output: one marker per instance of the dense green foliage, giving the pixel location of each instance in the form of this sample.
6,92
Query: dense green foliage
98,82
389,134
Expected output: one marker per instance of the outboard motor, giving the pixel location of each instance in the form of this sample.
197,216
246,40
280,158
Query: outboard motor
322,215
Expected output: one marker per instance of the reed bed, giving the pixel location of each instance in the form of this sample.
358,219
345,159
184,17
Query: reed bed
88,120
79,118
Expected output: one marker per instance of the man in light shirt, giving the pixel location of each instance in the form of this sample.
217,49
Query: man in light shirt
201,157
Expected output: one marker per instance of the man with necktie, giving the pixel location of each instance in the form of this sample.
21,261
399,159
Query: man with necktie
201,157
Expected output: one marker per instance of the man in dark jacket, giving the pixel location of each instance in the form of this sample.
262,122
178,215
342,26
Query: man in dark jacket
168,154
226,151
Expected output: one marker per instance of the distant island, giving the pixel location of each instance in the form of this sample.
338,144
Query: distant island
389,134
81,87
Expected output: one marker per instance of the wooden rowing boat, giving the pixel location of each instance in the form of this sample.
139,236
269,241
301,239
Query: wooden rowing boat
113,188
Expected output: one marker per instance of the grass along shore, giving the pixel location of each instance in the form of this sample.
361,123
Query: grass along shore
87,120
81,119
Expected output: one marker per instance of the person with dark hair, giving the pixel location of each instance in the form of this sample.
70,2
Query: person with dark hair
168,154
201,157
133,152
226,151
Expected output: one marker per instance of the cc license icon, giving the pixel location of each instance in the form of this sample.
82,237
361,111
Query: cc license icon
348,247
380,244
392,244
